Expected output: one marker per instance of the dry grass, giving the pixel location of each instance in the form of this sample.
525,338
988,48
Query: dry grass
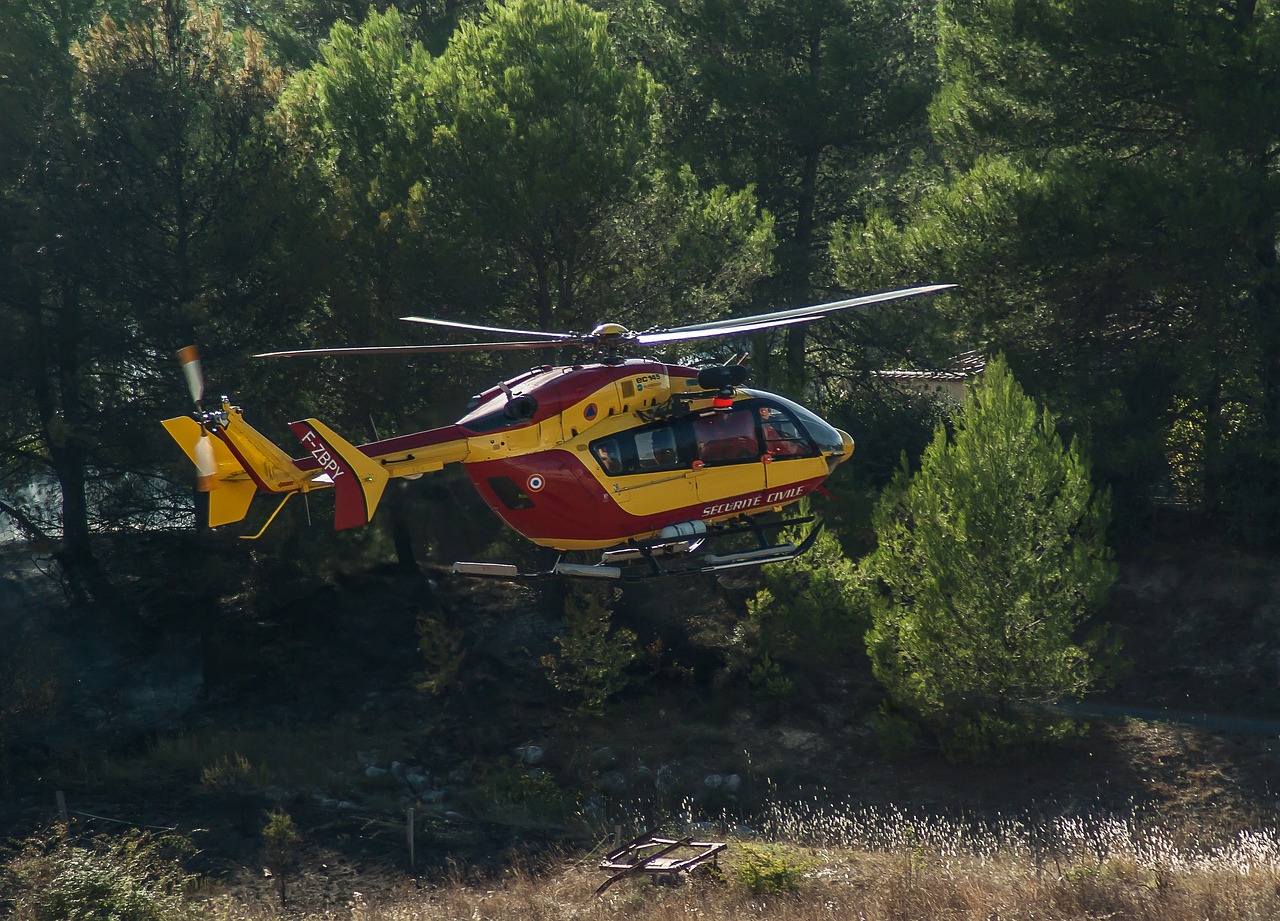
897,869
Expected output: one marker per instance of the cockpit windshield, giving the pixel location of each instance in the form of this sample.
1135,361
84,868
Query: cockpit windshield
823,434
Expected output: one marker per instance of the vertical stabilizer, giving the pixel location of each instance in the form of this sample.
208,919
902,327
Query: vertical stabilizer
358,480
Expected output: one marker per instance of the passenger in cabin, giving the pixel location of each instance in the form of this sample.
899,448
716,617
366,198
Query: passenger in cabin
608,456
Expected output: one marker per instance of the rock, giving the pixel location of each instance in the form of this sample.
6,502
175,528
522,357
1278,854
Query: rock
530,754
374,772
799,740
594,810
368,759
603,759
417,782
613,783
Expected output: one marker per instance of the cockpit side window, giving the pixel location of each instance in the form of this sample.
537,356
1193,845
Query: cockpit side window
784,438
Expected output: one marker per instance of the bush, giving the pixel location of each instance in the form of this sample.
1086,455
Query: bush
593,656
443,652
233,773
769,869
134,877
809,610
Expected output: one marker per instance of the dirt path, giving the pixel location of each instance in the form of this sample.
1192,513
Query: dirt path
1214,722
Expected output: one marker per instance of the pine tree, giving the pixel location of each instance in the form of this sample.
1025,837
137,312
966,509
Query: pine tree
989,560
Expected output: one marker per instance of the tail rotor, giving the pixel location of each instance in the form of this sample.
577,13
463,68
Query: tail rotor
206,460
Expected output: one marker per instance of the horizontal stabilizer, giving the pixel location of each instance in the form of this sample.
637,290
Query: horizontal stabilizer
229,487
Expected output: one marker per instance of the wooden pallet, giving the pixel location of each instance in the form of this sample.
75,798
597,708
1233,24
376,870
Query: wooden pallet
656,856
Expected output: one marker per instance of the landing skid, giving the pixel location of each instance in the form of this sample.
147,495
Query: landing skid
659,559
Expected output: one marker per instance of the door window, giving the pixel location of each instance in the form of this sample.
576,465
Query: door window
727,437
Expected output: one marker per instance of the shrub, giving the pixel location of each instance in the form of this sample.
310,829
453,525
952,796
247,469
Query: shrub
512,789
809,609
442,649
769,869
133,877
232,773
593,655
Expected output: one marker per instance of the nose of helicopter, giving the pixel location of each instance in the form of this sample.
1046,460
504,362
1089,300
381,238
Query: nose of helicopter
846,445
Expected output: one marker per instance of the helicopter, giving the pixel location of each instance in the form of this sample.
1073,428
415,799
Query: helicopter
649,463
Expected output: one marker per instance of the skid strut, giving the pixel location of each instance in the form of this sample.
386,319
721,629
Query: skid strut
661,558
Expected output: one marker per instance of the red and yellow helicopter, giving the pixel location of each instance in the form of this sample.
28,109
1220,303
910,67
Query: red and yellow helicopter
642,460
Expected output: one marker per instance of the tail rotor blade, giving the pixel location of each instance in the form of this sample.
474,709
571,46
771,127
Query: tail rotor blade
189,356
206,463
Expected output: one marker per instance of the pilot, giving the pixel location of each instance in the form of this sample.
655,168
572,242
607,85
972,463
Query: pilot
780,436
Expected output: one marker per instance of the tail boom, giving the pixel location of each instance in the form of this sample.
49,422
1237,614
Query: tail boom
247,462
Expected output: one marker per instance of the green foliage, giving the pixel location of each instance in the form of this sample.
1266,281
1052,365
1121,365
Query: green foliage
803,102
504,179
138,230
593,655
442,650
538,133
809,611
280,840
536,790
233,773
989,560
133,877
769,870
768,676
683,252
1111,214
281,835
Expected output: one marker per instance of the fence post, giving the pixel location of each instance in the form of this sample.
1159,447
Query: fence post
408,830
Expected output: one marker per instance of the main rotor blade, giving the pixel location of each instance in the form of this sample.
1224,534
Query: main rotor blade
413,349
721,329
454,324
779,317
